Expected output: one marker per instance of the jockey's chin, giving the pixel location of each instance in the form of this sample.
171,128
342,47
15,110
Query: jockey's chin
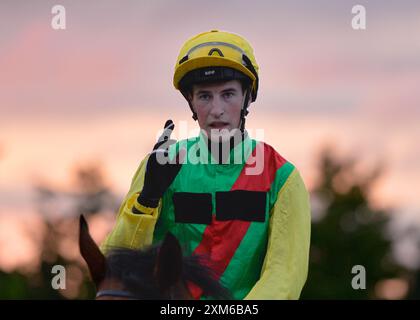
223,135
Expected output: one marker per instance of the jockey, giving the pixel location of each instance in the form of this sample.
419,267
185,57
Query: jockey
239,203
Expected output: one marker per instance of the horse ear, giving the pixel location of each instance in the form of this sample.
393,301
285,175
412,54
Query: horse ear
91,253
168,267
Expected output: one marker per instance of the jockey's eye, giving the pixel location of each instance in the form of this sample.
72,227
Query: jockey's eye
204,97
228,95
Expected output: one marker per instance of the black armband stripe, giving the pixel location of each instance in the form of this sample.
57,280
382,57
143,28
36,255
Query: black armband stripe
241,205
193,207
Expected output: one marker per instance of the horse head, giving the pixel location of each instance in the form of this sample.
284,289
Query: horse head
158,272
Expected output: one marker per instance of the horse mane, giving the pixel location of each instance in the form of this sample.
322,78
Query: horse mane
135,269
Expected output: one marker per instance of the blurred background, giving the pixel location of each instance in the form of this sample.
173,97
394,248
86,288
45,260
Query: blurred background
81,107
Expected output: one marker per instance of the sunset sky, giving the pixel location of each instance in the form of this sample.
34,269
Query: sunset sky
101,89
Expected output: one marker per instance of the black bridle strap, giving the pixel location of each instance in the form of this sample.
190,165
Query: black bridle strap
124,294
114,293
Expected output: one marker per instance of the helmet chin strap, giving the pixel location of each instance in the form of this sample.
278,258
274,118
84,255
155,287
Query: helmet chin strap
244,112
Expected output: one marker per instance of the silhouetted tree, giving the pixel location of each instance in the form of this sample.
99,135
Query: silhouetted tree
60,211
346,231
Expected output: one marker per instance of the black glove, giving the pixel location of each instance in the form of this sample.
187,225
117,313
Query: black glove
160,171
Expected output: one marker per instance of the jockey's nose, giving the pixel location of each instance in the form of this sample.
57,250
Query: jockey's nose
217,107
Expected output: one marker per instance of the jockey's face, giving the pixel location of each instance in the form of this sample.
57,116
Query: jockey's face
218,107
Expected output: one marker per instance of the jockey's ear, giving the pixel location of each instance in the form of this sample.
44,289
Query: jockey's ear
91,253
168,265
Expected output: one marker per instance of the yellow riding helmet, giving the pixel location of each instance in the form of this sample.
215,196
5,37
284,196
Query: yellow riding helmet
214,52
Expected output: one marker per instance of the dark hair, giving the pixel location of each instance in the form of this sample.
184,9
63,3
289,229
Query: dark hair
244,85
211,75
135,269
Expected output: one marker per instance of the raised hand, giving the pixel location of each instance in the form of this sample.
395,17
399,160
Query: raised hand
160,170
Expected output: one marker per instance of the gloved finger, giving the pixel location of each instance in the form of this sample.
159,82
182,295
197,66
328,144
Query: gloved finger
162,152
162,145
167,130
180,157
160,156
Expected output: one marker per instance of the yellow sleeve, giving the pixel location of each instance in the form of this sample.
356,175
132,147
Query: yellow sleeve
133,231
285,267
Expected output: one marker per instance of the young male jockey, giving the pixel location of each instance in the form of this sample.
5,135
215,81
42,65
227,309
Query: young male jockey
223,194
